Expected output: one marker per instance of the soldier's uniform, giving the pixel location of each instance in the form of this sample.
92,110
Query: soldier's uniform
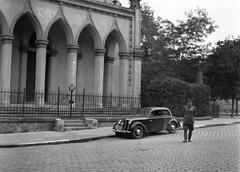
189,112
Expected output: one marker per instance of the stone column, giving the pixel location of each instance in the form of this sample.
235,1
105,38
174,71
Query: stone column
123,72
41,49
135,5
53,66
137,67
99,68
5,73
79,60
72,65
108,76
23,67
98,77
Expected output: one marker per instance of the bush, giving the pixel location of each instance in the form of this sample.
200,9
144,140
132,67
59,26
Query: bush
173,93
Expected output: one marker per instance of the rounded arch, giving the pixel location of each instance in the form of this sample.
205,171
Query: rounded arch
3,23
34,21
115,34
65,26
94,33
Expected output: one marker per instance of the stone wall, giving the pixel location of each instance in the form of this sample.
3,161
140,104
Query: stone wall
16,125
19,125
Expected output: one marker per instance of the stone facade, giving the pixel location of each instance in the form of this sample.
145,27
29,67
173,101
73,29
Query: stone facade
92,44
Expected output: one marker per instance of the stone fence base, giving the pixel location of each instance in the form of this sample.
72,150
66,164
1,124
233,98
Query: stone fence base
20,125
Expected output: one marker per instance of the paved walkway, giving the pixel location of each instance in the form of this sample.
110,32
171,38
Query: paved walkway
52,137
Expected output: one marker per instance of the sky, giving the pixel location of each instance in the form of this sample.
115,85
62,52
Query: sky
225,13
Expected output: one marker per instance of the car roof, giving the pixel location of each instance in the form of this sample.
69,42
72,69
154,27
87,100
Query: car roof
154,108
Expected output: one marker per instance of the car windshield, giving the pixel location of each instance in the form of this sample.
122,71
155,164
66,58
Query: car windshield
142,112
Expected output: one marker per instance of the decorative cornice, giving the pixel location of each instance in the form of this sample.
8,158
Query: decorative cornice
41,43
123,55
99,6
23,49
100,52
109,59
137,54
72,48
7,39
53,53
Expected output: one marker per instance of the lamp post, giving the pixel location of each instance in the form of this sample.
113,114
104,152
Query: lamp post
71,89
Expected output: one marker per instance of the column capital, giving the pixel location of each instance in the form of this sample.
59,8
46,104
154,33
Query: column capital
109,59
137,54
53,52
41,43
79,56
72,48
100,52
135,4
7,39
23,49
124,55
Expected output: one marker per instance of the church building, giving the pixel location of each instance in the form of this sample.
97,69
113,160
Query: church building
93,45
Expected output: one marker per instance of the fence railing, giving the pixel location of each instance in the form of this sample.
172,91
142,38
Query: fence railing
16,103
77,105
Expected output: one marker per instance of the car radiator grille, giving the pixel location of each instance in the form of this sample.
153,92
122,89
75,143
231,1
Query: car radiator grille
126,125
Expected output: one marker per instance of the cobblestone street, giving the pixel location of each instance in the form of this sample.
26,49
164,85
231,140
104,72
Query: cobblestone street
213,149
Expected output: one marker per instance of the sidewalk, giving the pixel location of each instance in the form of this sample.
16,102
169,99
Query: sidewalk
52,137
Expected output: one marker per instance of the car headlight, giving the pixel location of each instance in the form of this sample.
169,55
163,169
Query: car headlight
130,121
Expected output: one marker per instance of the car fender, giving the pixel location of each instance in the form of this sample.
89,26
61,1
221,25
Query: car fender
141,124
175,121
115,125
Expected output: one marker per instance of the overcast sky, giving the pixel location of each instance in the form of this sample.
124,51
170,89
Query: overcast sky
225,13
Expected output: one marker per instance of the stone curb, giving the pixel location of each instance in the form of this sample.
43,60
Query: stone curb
55,142
91,138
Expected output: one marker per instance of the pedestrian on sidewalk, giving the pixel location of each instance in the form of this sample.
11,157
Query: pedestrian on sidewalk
189,112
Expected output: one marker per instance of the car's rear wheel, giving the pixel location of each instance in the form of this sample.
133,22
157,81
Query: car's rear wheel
172,127
137,132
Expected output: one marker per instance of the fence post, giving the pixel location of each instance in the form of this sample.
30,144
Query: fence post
83,104
58,101
111,101
24,94
139,100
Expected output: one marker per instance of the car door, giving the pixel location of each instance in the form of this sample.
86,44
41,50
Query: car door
167,117
156,121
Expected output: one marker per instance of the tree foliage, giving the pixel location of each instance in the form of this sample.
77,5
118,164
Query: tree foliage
223,70
173,93
173,50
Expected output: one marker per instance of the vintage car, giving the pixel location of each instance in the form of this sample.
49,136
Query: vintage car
145,121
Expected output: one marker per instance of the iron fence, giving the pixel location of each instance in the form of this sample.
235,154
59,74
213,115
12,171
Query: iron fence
22,103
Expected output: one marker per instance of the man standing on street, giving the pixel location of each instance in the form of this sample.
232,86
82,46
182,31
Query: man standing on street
189,111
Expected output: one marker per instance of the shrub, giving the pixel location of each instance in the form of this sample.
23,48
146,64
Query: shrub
173,93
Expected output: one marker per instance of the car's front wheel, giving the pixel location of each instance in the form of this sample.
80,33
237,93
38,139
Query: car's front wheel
172,127
137,132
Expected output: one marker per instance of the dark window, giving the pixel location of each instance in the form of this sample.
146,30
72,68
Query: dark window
157,113
165,112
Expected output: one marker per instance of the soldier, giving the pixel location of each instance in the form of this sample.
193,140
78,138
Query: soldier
189,111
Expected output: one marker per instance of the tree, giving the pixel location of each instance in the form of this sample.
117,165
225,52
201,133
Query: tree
223,71
173,50
184,38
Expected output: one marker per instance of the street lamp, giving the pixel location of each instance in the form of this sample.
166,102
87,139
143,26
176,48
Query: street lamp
71,89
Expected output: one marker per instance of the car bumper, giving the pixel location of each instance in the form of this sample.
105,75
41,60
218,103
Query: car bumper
119,129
